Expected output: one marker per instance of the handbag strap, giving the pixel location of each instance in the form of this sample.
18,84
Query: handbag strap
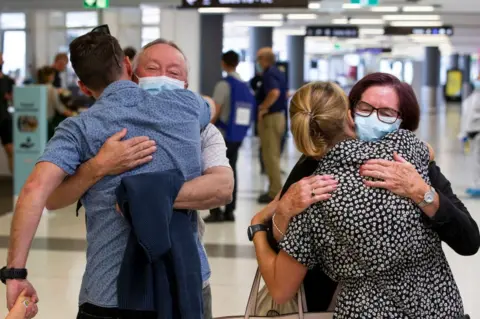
365,267
252,299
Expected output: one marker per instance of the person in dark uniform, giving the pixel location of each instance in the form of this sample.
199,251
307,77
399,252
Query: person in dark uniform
6,90
271,120
60,65
257,86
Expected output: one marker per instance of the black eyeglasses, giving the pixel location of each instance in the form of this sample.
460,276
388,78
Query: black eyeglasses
384,114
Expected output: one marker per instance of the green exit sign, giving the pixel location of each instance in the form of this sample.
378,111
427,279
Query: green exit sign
369,3
95,4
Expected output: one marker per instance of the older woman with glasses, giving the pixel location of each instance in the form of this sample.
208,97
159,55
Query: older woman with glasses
380,104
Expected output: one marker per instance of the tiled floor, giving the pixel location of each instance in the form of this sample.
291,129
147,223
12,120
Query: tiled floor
57,260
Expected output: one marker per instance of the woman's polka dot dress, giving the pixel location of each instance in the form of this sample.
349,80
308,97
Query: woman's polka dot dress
390,264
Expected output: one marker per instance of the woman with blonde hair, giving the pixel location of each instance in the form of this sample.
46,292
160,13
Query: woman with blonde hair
373,242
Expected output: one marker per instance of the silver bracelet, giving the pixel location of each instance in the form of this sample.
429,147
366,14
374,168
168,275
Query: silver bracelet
275,225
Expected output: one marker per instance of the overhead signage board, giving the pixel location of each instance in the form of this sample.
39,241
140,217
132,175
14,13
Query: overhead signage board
332,31
443,30
244,4
374,50
366,3
96,4
29,130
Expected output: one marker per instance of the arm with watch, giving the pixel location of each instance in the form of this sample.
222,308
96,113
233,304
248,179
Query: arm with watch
442,209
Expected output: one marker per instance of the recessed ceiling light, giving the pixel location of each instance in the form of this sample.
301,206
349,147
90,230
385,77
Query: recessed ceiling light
314,5
306,16
416,23
215,10
412,17
384,9
419,9
271,16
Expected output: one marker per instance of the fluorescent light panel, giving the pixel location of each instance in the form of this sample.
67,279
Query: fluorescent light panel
413,17
384,9
418,9
351,6
258,23
366,21
356,21
271,16
365,31
340,21
215,10
416,23
307,16
314,5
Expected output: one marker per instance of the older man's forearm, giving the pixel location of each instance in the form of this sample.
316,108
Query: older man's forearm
213,189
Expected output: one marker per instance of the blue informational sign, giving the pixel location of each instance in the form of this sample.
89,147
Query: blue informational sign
29,130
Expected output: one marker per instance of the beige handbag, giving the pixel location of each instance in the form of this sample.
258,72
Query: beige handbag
261,305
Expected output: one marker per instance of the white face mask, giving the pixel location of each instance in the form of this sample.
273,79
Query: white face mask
157,84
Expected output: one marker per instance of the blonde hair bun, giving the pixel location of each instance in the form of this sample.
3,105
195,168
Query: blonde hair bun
318,113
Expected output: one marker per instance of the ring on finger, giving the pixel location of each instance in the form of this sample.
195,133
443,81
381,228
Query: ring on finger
313,193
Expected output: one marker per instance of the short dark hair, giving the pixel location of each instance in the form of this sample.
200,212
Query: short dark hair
231,58
43,74
131,52
407,100
97,59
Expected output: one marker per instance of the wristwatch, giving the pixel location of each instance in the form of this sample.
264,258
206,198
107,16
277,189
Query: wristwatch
252,230
428,198
12,273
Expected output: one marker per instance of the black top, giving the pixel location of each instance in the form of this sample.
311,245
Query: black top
57,82
453,223
6,88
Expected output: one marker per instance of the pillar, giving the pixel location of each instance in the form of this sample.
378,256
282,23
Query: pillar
454,61
466,66
211,47
260,37
296,60
431,77
183,28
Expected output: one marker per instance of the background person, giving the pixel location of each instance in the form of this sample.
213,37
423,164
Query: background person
447,215
60,65
235,106
6,126
56,110
271,120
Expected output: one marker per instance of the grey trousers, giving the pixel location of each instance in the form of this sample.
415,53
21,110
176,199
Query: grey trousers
207,302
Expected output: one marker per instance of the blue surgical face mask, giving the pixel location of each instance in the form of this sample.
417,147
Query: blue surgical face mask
157,84
372,129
